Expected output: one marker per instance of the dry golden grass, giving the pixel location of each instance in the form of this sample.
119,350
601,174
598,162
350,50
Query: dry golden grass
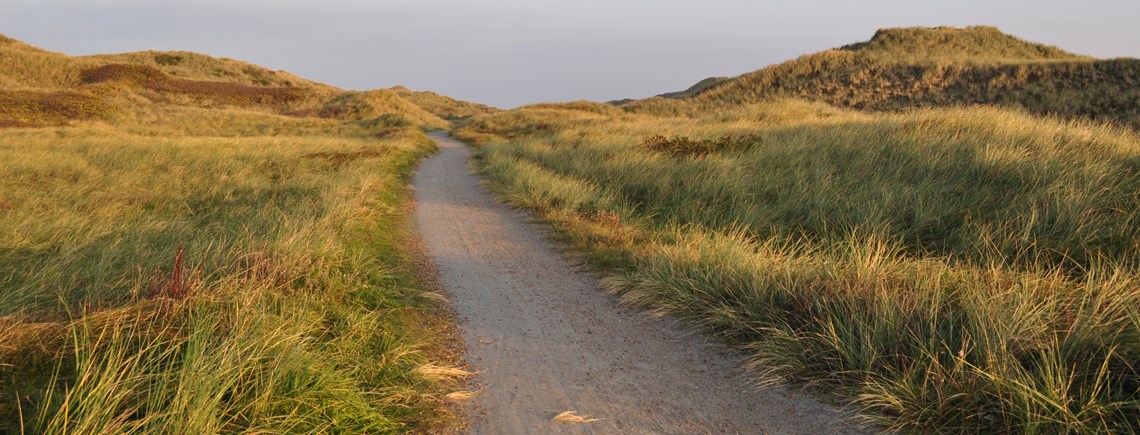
572,417
439,373
958,270
461,396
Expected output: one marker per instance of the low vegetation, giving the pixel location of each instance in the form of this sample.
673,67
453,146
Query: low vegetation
219,92
181,254
42,88
381,106
443,106
900,69
28,108
961,270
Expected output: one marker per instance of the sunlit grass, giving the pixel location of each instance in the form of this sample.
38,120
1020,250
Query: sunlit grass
958,270
208,284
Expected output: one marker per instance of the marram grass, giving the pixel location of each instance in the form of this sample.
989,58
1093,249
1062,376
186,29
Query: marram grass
257,281
956,270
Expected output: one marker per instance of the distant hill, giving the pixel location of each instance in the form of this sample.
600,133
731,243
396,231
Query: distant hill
701,86
42,88
944,66
443,106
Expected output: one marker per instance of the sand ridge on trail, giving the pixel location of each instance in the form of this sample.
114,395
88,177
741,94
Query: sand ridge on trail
544,338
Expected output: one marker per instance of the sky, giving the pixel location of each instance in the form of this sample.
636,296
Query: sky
513,52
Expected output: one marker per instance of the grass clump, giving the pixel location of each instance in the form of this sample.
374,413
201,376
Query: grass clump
963,270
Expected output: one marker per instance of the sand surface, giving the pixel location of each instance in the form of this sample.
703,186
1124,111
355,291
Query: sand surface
544,338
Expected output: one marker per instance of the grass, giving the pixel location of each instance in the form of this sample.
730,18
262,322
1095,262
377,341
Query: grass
27,67
382,107
33,108
222,92
204,270
961,270
572,417
442,106
974,45
144,82
172,264
901,69
199,245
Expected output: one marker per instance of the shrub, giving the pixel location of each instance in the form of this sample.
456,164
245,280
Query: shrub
167,59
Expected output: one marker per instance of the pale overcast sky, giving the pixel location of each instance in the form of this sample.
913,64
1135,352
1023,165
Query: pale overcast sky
512,52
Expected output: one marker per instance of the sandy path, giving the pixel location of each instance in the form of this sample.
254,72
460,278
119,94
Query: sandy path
545,339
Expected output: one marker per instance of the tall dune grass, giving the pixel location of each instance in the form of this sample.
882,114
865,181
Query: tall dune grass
963,270
155,281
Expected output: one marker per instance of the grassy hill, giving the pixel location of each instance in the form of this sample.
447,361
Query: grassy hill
29,66
41,88
199,245
441,105
900,69
946,269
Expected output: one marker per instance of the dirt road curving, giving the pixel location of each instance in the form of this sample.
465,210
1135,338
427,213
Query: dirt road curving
545,339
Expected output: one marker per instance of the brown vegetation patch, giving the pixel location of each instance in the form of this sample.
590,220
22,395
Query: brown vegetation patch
680,146
155,80
12,123
34,109
167,59
339,159
388,132
304,113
